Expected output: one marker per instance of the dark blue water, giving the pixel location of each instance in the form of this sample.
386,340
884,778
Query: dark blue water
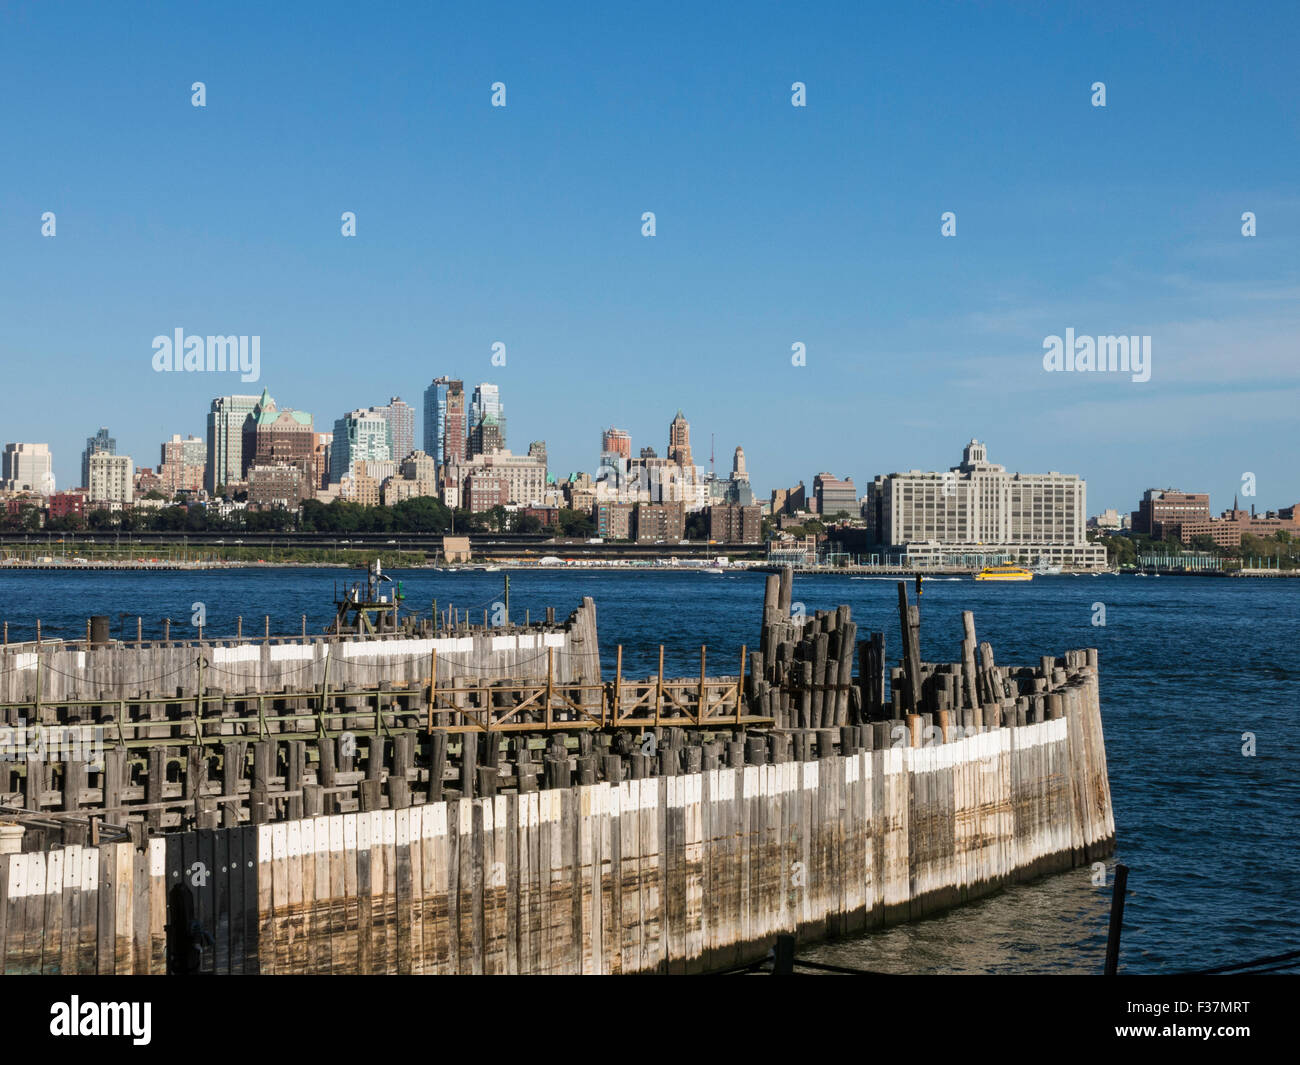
1187,666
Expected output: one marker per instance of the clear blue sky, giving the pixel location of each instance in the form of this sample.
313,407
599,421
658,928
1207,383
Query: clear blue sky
775,225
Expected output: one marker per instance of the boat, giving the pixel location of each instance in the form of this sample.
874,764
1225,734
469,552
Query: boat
1046,569
1004,572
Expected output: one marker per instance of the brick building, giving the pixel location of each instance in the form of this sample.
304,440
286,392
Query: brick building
659,522
613,520
732,524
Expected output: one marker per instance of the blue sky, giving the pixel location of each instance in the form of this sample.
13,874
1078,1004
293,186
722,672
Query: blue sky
775,225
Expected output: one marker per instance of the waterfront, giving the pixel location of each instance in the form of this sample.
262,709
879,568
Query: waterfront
1187,666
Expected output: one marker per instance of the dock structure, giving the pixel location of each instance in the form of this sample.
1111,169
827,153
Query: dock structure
555,821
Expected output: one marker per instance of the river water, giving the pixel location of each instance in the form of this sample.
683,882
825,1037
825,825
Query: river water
1189,666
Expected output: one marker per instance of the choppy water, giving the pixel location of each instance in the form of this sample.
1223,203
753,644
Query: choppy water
1187,666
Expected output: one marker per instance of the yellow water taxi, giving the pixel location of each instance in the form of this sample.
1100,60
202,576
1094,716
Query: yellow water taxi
1005,572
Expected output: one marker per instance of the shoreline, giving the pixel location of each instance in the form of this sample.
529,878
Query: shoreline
852,573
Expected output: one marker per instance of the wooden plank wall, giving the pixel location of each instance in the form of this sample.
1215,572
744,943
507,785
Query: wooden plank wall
123,670
676,873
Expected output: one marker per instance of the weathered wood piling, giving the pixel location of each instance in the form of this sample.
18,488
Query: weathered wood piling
440,822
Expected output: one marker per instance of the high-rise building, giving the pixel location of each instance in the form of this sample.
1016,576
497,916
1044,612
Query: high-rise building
524,475
738,470
734,524
181,464
101,441
435,418
28,468
485,438
537,450
324,442
400,418
454,436
659,522
978,508
360,435
835,497
110,479
613,520
486,403
226,418
278,436
1161,507
679,440
616,442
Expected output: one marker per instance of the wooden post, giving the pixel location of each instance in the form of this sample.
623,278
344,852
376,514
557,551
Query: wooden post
139,630
699,707
740,682
304,626
618,683
783,960
433,683
38,630
325,694
266,627
659,688
968,660
909,624
198,706
550,681
239,627
1116,919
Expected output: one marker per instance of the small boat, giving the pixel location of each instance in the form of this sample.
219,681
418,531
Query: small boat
1046,569
1005,572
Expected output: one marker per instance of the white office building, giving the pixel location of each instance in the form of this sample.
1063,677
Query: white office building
978,508
28,468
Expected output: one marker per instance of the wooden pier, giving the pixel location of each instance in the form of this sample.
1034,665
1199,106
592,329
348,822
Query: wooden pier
439,820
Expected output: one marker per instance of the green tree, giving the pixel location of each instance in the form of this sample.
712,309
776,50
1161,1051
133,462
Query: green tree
528,523
575,523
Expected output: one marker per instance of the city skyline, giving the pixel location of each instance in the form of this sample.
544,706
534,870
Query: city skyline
521,227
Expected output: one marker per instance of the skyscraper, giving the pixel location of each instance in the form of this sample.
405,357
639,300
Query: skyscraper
181,464
400,418
226,418
487,403
454,437
485,438
738,471
28,468
101,441
679,441
360,435
279,436
435,418
616,442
